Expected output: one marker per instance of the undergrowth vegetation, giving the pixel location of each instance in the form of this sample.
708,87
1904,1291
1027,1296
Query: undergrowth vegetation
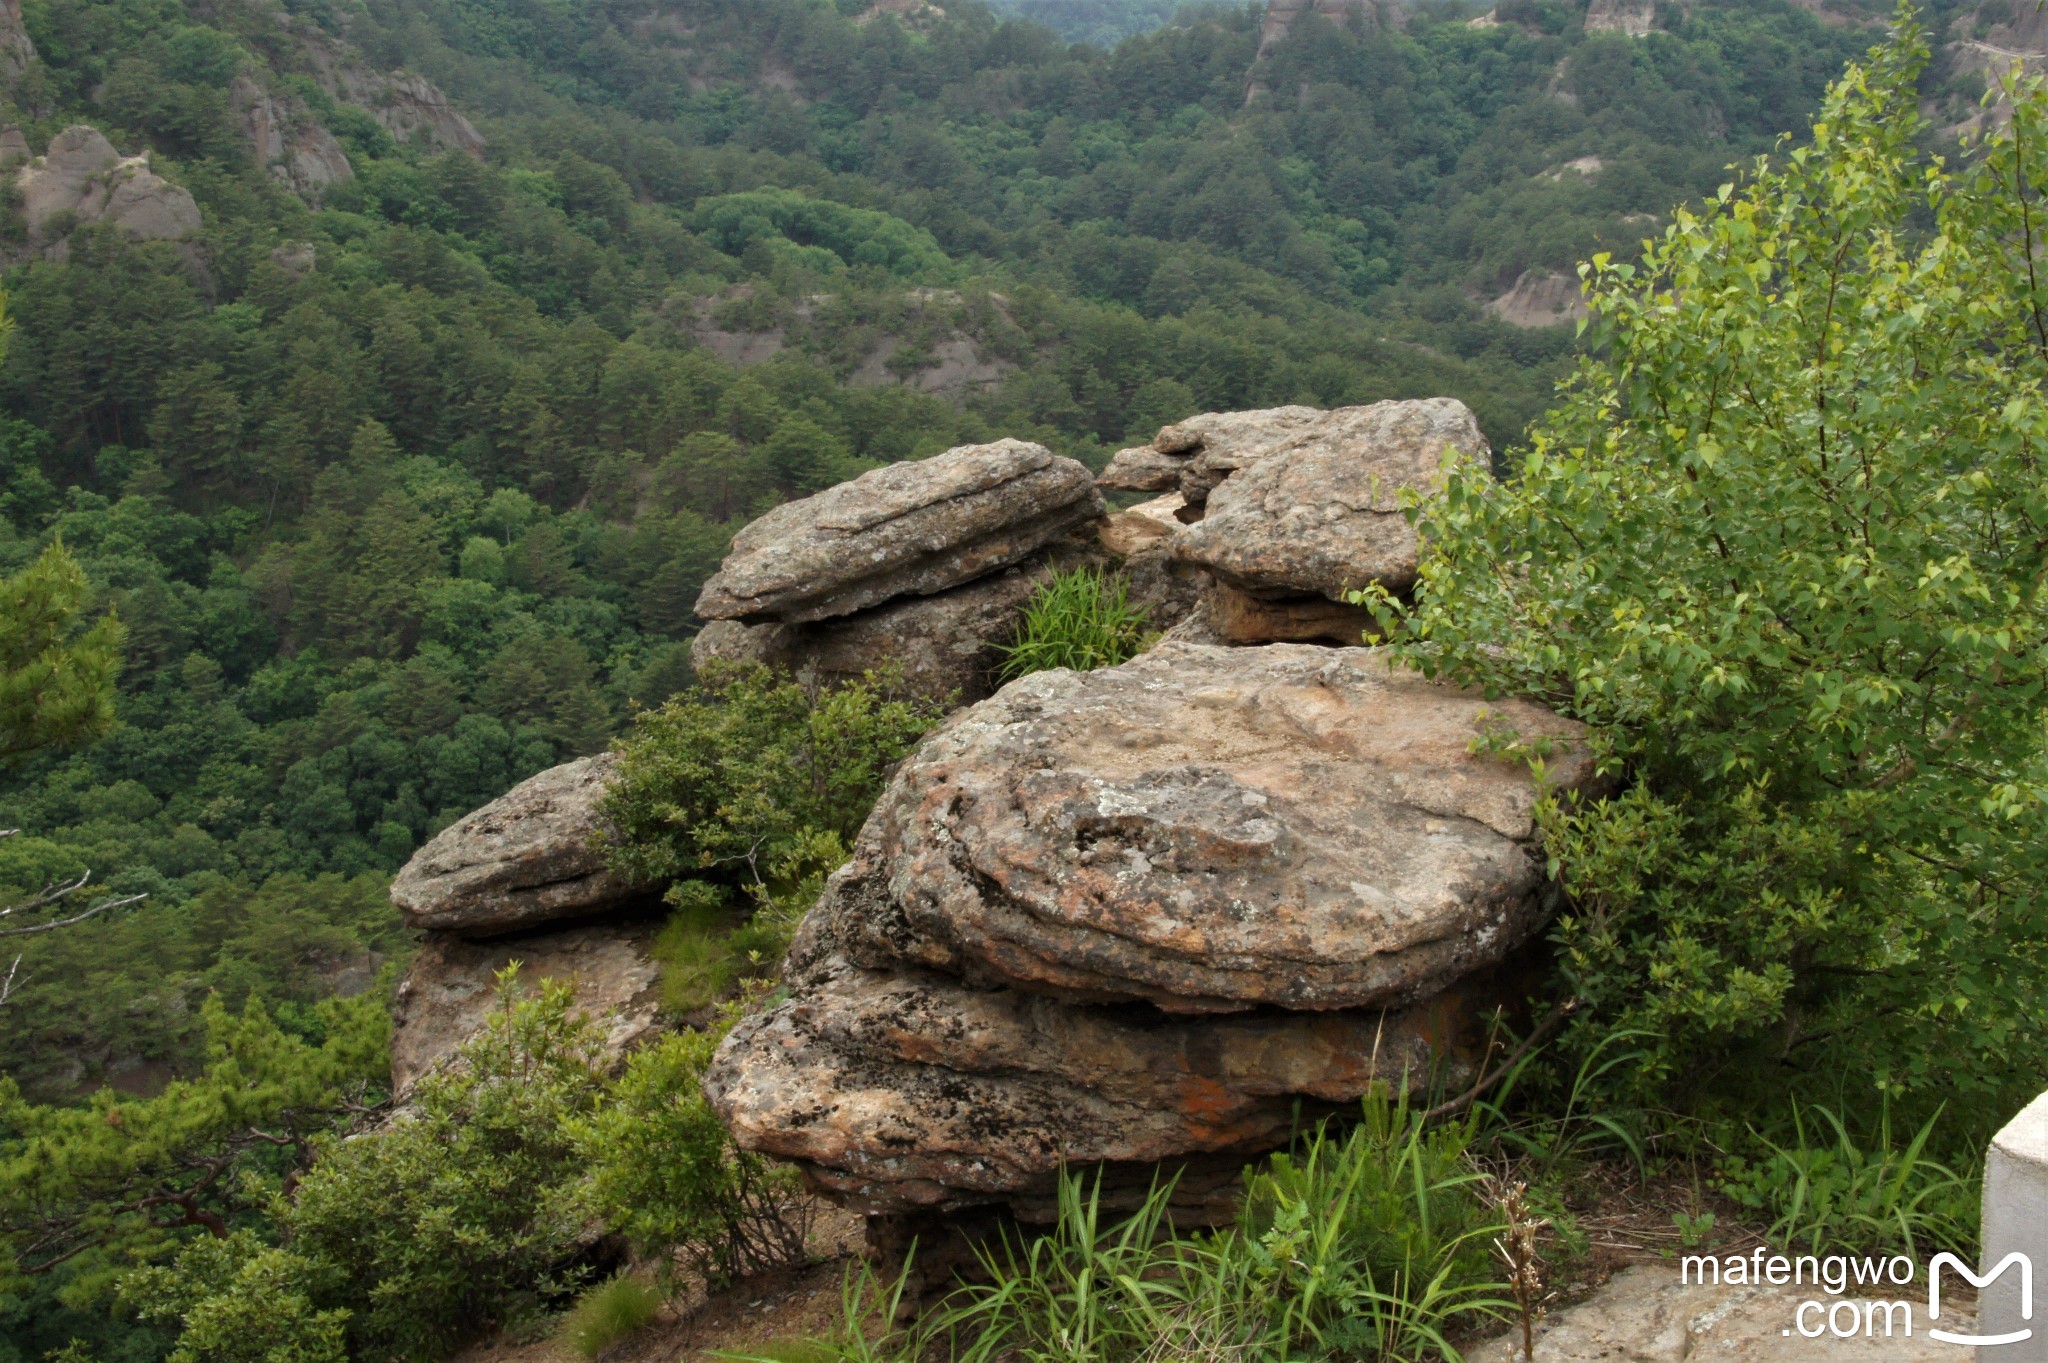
1082,618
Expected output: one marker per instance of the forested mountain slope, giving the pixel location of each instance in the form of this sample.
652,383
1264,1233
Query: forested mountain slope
405,468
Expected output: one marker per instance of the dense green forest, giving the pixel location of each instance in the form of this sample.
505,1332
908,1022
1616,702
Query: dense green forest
401,486
403,490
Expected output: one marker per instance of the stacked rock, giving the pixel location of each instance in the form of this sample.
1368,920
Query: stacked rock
1152,913
1293,508
522,879
1158,913
925,565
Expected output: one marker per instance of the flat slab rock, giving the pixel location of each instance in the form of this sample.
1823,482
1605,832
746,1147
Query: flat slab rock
527,857
910,529
1645,1314
1320,508
1210,829
451,986
942,645
905,1089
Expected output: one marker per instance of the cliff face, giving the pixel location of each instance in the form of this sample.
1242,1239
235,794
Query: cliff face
16,51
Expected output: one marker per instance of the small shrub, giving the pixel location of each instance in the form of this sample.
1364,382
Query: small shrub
1831,1193
469,1208
723,783
664,1172
1081,619
608,1313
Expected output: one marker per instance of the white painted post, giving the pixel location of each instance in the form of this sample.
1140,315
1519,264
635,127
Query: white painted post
2016,1221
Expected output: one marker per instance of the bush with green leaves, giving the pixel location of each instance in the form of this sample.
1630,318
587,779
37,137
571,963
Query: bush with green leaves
665,1173
239,1300
1784,543
1083,619
726,782
468,1206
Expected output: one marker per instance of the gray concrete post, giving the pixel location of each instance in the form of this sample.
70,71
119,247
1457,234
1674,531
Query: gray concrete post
2016,1222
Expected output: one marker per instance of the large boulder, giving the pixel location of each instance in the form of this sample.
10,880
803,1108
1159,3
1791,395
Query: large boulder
1215,445
82,180
947,644
1212,829
906,1089
1319,511
527,857
1149,914
445,996
910,529
1142,469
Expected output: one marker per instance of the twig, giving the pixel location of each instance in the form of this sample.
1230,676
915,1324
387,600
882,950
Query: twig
92,912
1486,1081
10,984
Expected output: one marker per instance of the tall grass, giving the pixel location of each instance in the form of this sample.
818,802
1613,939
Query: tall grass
1081,619
1373,1244
1831,1191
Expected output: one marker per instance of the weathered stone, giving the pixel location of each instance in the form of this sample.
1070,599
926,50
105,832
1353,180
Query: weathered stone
1636,18
1540,298
14,149
1142,469
408,106
1211,829
1648,1314
943,645
288,141
910,529
527,857
1320,510
900,1089
451,986
1236,617
1217,444
1143,526
16,50
81,180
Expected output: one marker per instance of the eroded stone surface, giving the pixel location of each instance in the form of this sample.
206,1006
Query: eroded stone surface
449,990
1320,510
527,857
1210,829
81,180
942,645
288,141
1235,617
904,1088
1142,469
910,529
1217,444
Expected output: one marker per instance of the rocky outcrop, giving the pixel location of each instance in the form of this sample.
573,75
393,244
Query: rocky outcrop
1319,510
1636,18
445,996
527,857
287,141
1230,616
1141,469
1138,914
81,180
941,645
1540,298
909,529
408,106
1283,15
1218,444
16,50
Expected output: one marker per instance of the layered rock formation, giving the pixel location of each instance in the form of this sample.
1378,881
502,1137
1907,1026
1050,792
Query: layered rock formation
288,141
81,180
1141,914
926,564
522,879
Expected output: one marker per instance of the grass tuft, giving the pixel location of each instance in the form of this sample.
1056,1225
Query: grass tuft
608,1313
1082,619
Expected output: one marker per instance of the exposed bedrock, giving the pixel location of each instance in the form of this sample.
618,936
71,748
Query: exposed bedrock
527,857
1320,510
1136,915
910,529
